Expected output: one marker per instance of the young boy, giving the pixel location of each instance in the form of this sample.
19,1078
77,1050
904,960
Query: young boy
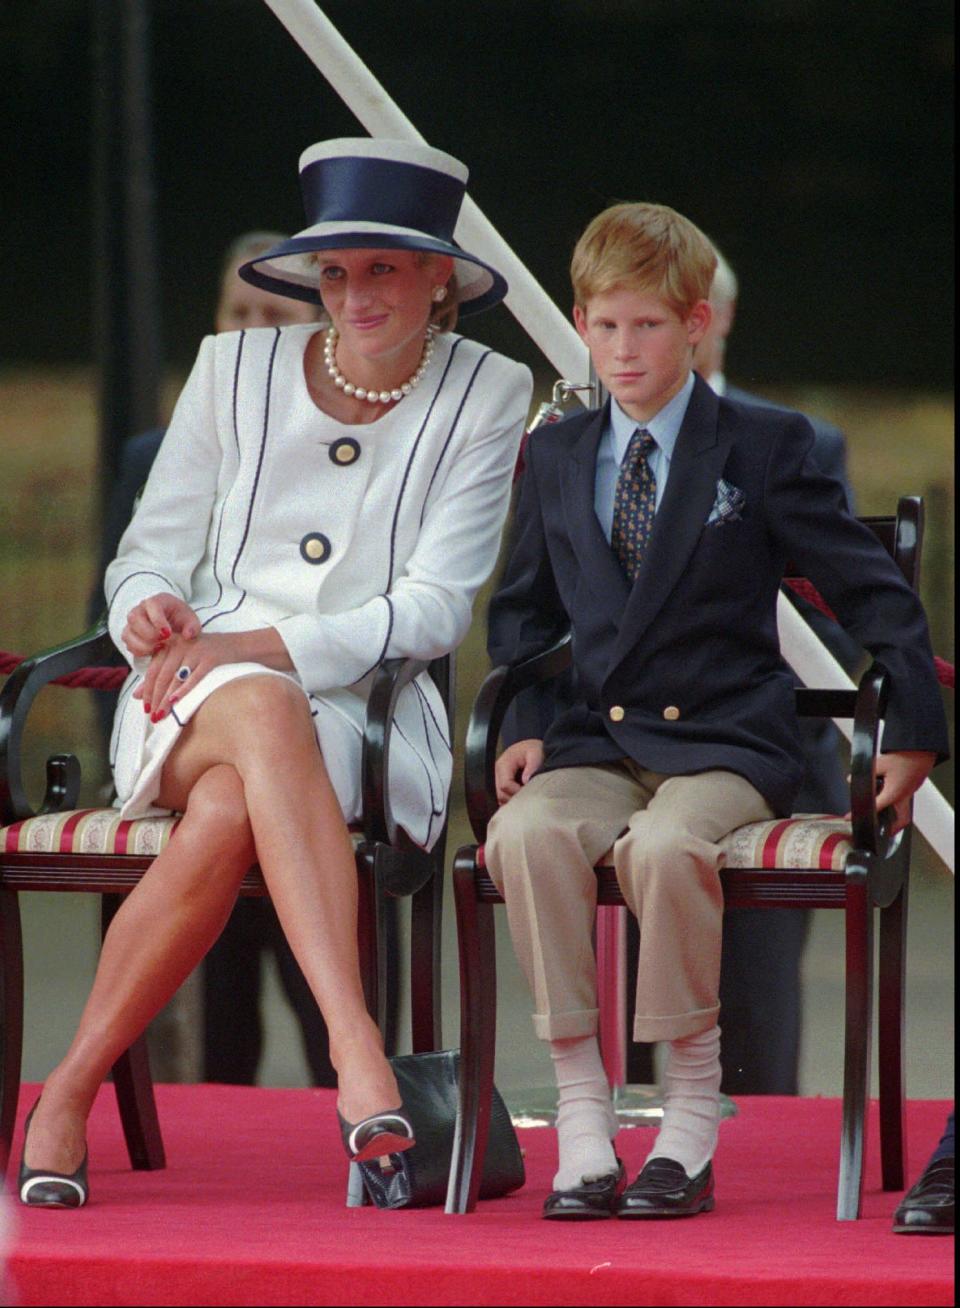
656,530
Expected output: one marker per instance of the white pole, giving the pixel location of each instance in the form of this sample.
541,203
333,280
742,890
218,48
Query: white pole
366,98
816,666
551,331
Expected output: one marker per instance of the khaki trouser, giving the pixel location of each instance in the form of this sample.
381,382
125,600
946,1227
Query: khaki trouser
541,849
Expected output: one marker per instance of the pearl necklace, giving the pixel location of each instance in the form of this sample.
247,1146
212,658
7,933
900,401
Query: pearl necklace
361,393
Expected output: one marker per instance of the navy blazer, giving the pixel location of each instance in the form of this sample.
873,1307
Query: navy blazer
688,657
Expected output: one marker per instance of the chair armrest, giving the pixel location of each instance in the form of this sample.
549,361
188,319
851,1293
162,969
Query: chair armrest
870,828
93,648
499,689
389,679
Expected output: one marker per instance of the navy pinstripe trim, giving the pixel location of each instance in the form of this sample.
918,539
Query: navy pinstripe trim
236,436
256,483
453,428
216,558
123,703
386,642
413,455
173,714
144,572
426,730
434,812
427,705
236,386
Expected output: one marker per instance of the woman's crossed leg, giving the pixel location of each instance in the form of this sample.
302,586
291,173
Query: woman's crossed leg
251,783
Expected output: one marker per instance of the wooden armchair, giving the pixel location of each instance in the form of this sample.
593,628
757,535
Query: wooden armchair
800,862
61,848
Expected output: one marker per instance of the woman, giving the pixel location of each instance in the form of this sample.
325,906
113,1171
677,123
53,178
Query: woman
325,497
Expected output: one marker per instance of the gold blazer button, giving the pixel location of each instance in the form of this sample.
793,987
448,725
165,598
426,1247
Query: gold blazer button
671,712
344,451
617,714
315,548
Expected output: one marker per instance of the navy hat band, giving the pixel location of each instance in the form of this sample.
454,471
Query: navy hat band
382,191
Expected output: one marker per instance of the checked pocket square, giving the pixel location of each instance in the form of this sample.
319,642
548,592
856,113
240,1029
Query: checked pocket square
728,506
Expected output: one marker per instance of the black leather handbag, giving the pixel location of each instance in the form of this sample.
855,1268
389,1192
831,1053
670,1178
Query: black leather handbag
417,1178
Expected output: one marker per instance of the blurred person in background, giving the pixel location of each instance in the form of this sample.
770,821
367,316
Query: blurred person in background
232,1037
760,982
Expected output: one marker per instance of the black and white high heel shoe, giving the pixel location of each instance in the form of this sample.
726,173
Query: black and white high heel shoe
40,1188
383,1133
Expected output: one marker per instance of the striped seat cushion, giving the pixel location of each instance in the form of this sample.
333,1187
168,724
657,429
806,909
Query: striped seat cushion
806,840
88,831
92,831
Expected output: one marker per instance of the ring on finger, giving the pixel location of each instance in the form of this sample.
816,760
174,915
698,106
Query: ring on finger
182,674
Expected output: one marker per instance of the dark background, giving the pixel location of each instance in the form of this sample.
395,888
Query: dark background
811,139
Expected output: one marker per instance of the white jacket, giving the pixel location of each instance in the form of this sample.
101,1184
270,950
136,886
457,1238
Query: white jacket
356,542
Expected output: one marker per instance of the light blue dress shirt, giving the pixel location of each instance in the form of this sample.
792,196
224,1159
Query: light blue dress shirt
664,427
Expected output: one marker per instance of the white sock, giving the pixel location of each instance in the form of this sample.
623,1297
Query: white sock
586,1122
691,1102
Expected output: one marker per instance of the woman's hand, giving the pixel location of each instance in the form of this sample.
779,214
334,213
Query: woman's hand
152,622
195,656
515,766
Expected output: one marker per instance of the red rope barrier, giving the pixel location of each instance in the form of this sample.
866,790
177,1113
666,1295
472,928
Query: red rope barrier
946,673
113,678
808,591
83,678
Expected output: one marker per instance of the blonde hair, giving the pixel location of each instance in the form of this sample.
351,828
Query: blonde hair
248,246
725,287
647,248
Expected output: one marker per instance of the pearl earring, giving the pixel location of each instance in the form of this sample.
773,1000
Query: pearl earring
439,293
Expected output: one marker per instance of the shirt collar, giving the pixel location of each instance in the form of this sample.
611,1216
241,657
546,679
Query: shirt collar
664,426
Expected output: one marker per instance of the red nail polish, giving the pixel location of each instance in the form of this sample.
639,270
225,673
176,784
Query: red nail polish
146,707
165,632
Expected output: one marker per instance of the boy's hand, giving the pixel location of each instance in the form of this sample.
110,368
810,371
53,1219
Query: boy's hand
902,773
516,766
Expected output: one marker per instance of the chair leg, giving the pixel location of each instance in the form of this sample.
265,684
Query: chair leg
133,1086
426,915
11,1036
387,949
890,999
478,1026
856,1067
367,934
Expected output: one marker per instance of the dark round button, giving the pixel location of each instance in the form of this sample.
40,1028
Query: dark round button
315,548
344,451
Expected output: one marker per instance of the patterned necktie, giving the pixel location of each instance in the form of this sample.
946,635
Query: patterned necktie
634,503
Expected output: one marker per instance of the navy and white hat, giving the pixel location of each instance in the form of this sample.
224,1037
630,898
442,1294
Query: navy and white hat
370,193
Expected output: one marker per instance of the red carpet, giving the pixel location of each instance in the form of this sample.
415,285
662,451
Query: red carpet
250,1211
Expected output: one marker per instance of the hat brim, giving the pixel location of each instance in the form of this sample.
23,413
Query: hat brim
285,271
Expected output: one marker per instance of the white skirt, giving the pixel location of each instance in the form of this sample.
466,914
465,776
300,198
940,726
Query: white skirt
420,755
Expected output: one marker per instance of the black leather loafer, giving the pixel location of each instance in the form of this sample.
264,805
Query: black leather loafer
928,1206
587,1201
663,1189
